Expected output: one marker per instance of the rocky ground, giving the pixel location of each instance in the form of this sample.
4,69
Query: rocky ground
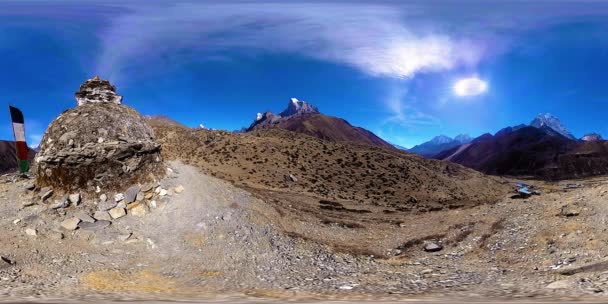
205,238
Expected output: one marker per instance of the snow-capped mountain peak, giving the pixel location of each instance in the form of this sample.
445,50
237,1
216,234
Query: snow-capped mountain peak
441,139
592,137
296,106
463,138
552,122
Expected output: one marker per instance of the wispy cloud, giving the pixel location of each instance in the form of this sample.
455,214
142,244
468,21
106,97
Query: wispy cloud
371,38
403,114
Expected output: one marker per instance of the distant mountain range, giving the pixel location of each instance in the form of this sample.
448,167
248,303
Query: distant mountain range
440,143
302,117
544,149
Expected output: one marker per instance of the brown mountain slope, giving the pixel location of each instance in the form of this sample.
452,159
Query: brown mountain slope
531,151
8,156
330,128
359,175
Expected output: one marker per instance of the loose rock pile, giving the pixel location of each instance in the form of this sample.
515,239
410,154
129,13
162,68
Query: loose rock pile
100,145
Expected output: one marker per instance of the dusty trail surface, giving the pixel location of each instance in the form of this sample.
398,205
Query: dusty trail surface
216,241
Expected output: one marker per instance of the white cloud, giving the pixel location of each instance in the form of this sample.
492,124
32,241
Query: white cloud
470,87
371,38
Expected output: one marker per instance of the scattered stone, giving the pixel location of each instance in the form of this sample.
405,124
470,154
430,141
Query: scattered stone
569,211
131,194
30,186
102,216
117,213
179,189
426,271
121,204
60,204
103,197
106,205
147,187
149,195
85,217
74,198
153,205
432,247
140,197
98,225
346,287
125,237
563,284
16,221
290,178
28,203
70,224
4,261
46,193
119,197
31,232
140,210
57,236
162,192
412,200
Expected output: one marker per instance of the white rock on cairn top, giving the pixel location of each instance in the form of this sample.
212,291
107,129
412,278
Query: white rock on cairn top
96,90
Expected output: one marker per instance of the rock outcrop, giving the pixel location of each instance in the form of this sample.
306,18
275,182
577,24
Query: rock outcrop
99,145
96,90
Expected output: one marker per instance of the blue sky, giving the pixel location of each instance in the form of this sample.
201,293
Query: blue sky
388,66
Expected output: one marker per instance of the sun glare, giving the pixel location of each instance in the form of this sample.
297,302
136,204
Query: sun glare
470,87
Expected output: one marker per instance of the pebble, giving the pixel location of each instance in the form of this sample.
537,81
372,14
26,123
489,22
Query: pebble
179,189
16,221
28,203
30,186
60,204
46,193
125,237
432,247
116,213
71,223
103,197
31,232
74,198
162,192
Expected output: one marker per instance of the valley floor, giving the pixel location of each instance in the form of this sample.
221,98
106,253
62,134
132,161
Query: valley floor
216,241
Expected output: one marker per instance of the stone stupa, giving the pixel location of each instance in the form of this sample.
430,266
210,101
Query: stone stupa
100,144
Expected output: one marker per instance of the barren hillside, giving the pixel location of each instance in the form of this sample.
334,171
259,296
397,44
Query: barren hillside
284,161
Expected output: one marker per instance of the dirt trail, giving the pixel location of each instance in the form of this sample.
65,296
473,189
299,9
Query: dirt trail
216,241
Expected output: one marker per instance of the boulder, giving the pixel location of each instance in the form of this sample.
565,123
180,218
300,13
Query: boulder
72,156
